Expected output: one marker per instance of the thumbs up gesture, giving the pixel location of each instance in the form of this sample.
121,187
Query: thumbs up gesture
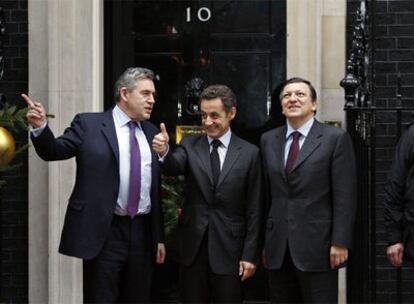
160,141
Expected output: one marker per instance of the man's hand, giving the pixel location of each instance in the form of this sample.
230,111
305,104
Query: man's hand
338,256
160,253
246,270
395,254
36,116
160,141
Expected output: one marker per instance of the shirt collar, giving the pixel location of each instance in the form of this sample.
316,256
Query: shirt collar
121,118
224,139
303,130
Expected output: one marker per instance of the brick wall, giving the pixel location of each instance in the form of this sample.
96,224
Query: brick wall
394,54
13,198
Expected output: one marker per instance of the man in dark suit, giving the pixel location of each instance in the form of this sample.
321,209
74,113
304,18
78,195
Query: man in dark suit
310,182
399,202
219,227
113,220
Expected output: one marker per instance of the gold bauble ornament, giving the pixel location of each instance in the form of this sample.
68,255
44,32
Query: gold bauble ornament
7,147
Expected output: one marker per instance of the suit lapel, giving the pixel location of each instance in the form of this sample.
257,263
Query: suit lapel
232,155
202,150
311,143
278,147
108,129
275,149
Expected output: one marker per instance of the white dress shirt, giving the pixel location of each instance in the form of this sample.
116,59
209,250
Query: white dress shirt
121,121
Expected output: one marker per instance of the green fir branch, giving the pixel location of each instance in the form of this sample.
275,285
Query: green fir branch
11,117
9,168
172,201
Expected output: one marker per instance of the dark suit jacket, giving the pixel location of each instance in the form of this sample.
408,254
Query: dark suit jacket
314,206
231,213
399,196
91,138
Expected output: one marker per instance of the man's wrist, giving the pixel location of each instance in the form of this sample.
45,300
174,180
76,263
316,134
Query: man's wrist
162,157
37,131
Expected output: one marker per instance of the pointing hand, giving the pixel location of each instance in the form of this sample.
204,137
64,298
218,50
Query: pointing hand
36,115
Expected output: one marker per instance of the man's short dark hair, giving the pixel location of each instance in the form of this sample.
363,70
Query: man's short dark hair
223,92
313,94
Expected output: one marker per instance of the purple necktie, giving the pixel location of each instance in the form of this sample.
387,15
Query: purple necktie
293,151
134,172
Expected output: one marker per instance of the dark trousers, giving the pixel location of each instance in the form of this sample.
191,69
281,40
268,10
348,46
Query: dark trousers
122,271
291,285
199,284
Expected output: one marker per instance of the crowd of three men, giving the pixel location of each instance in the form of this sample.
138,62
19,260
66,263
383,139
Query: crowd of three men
291,203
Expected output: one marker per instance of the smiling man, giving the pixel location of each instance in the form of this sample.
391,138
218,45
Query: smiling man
113,220
219,226
310,182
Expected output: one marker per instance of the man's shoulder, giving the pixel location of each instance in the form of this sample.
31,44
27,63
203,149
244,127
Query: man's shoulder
91,118
408,134
193,139
92,115
244,144
274,132
330,129
149,126
410,128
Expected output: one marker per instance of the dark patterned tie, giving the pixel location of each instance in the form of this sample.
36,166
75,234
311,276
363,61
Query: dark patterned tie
293,151
215,161
134,173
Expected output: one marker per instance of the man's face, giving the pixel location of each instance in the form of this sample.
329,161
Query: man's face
138,103
214,118
297,103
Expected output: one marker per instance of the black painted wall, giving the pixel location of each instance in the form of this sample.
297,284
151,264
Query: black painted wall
13,196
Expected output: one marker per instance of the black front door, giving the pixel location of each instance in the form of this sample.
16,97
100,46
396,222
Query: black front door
190,44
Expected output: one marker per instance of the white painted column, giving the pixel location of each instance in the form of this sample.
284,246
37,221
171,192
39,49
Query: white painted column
333,54
65,74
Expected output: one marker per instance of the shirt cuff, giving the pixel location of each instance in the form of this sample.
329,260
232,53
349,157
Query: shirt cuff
37,131
161,158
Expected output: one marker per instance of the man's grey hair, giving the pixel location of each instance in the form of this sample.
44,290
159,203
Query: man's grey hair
129,78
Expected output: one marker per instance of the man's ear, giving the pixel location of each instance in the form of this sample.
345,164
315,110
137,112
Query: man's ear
123,92
232,112
314,105
283,109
